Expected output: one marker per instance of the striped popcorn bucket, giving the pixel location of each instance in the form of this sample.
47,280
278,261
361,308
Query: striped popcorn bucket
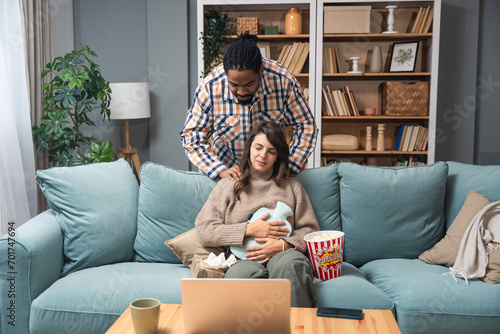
326,249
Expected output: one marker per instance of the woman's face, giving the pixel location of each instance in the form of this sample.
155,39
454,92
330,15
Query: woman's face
262,153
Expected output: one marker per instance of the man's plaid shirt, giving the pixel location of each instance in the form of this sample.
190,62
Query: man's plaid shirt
215,112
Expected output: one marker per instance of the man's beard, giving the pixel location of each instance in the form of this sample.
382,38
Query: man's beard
246,102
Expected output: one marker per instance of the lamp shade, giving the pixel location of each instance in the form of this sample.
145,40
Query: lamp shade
129,100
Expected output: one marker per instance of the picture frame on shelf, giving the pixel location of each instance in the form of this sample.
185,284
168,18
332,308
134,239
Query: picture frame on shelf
265,49
403,57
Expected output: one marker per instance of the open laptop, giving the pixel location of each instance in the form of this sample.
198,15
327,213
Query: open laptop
236,306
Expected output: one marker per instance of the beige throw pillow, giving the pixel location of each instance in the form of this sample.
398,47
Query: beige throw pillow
446,250
186,245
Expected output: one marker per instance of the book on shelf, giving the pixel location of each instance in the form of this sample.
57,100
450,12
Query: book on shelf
301,61
327,108
411,161
423,20
331,60
284,53
411,138
294,56
332,103
337,59
338,102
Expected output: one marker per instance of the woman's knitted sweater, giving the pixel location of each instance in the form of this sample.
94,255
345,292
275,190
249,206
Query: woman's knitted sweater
222,220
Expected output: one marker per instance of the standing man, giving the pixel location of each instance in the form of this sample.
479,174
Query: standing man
237,95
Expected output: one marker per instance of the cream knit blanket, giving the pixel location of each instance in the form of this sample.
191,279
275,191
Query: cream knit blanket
482,234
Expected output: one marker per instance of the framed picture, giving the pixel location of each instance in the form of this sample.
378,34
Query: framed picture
403,57
265,49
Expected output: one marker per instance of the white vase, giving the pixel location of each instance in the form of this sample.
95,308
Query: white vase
376,61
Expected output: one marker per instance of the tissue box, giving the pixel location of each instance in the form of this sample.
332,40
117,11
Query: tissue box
197,271
347,19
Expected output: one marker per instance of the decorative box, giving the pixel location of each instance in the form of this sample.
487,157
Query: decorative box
400,98
271,30
340,143
247,23
346,19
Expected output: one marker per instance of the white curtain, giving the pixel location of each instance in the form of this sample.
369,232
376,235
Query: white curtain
17,164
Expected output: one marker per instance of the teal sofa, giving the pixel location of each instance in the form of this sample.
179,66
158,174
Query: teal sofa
76,267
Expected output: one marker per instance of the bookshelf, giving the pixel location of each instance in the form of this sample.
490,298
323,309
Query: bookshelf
271,12
366,85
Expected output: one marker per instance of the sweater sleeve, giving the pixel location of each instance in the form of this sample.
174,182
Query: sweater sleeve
305,220
211,221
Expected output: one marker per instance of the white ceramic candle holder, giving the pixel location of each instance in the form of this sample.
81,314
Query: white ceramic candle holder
355,65
390,20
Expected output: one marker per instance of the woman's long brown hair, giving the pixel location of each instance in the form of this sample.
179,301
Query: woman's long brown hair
276,136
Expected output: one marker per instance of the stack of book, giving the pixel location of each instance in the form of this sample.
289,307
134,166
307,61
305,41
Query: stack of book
423,21
339,102
331,60
294,56
412,138
411,161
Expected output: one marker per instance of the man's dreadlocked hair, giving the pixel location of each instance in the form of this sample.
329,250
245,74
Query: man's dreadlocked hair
243,54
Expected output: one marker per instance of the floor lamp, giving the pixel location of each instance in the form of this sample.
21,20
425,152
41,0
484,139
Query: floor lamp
129,100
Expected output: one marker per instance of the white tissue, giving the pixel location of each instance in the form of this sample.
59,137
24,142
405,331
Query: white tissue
218,262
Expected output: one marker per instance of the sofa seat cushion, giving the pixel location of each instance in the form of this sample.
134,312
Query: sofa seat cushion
429,302
352,290
90,300
391,212
169,201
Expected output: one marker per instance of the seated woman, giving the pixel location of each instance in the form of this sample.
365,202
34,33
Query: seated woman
224,219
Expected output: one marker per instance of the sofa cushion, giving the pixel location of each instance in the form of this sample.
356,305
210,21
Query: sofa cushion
446,250
322,187
90,300
352,290
429,302
390,212
464,177
169,201
96,208
186,245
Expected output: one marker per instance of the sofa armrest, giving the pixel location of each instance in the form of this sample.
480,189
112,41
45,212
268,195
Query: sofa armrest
31,260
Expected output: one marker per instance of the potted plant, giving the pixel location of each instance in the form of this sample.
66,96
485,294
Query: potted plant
215,39
76,90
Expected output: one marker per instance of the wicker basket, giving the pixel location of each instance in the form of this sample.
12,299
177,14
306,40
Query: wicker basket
247,23
400,98
340,143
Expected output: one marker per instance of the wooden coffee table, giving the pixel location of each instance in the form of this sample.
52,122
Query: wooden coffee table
302,320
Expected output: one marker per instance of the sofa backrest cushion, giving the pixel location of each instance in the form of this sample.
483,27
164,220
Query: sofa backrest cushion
391,212
96,208
169,201
322,187
464,177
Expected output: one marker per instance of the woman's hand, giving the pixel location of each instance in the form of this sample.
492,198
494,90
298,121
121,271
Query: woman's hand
267,250
232,173
263,229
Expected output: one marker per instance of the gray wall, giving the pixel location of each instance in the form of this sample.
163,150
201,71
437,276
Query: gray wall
155,41
487,139
469,77
117,31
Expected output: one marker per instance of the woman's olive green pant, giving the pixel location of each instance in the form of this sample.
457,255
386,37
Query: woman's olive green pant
290,264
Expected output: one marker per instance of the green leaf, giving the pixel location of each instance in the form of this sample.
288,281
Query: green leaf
95,147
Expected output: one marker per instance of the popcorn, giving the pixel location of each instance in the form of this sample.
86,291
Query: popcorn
323,237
